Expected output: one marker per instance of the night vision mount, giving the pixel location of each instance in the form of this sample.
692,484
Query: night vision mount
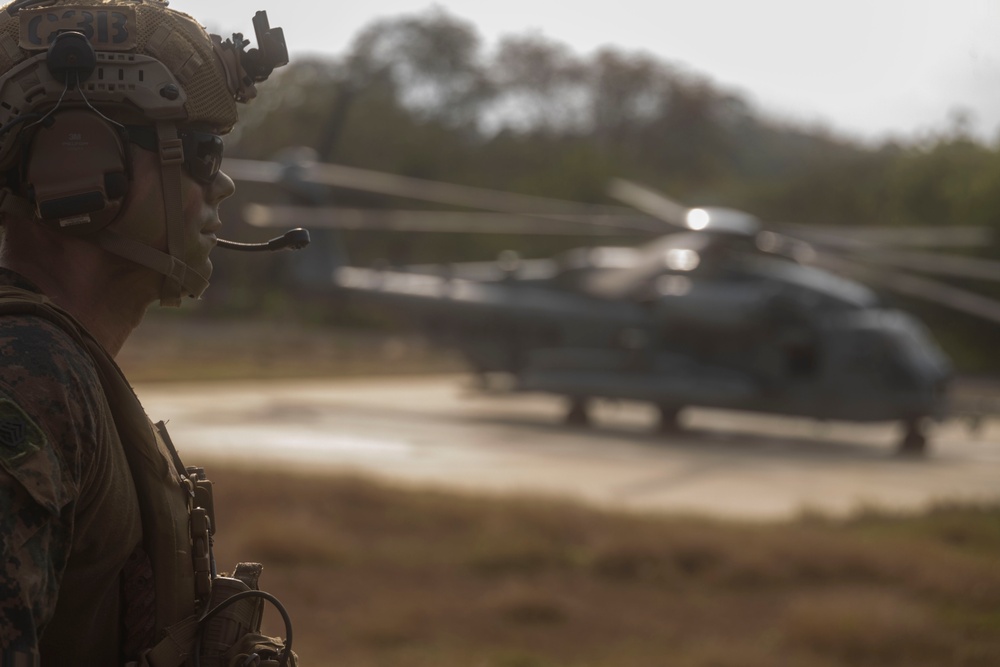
272,51
246,67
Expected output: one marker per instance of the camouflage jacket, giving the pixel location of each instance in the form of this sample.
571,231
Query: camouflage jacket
69,517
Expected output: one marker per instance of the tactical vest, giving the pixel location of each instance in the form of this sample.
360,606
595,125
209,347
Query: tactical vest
175,509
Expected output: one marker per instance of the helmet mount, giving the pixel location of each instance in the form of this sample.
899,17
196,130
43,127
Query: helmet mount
71,58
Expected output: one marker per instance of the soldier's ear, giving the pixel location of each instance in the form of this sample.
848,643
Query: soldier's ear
76,171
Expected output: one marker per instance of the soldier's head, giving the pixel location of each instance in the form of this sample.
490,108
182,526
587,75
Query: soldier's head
111,116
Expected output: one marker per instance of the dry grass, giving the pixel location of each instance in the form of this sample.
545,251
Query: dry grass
376,576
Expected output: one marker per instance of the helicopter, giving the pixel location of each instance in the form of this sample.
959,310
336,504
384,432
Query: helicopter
715,311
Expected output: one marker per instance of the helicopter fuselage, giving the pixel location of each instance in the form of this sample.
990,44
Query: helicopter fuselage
680,324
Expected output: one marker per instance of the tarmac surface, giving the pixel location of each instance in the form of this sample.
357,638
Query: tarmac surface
439,432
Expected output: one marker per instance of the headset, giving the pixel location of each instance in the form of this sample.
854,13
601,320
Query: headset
76,169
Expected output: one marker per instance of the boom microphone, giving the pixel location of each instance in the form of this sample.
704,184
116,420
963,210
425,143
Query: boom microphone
293,239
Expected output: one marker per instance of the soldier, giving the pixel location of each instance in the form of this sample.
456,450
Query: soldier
111,116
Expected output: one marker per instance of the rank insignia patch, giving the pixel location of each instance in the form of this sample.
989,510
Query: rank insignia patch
19,435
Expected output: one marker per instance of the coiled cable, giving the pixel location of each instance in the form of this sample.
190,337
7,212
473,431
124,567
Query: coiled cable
286,653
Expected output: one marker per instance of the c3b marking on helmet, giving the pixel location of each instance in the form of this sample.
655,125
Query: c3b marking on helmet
107,29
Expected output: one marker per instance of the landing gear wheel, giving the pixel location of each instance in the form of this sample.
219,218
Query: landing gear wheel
578,413
669,421
914,442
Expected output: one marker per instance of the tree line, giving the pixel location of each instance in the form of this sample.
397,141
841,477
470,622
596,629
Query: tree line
421,96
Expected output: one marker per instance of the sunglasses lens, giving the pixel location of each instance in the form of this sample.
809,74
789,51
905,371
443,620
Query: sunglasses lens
202,155
202,150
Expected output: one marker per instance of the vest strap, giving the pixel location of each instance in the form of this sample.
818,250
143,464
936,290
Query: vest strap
164,497
171,158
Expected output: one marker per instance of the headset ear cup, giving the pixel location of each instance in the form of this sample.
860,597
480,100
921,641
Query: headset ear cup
76,169
116,185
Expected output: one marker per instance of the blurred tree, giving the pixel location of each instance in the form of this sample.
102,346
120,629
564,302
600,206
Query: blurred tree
289,111
947,180
418,95
432,61
539,88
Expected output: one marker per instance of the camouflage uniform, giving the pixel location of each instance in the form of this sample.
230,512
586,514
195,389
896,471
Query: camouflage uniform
69,519
78,512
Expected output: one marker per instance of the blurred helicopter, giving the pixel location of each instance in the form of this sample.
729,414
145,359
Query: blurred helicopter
715,312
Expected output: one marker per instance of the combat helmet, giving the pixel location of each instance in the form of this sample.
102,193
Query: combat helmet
81,80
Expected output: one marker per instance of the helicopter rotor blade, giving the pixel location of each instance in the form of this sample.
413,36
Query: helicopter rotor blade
525,214
850,238
919,287
649,201
366,180
475,222
942,264
256,171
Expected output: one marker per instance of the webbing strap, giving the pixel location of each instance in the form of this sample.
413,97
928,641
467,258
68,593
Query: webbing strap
162,500
171,158
173,268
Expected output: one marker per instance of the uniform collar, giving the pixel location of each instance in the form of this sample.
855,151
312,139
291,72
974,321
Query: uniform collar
10,278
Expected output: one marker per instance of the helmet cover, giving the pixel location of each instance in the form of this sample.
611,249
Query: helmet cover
143,47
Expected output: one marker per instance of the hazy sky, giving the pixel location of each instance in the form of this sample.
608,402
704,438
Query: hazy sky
868,68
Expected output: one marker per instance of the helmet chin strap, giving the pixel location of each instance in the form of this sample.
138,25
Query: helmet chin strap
179,279
171,158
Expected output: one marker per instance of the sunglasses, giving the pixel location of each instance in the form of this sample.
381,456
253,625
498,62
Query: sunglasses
202,150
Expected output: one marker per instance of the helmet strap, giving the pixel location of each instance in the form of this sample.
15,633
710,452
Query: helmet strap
179,279
171,159
175,271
